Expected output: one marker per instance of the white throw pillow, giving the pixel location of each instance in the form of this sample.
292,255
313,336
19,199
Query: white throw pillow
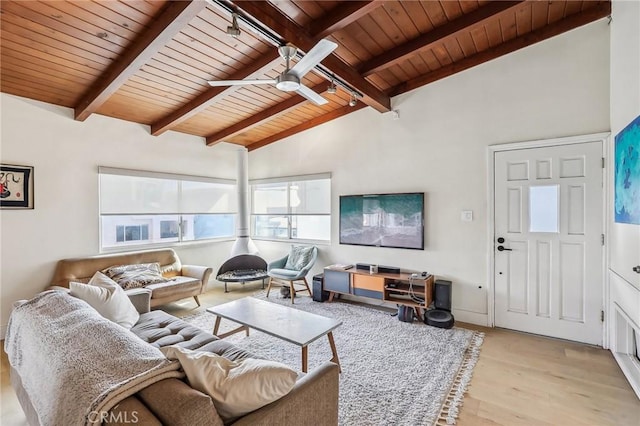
108,298
236,387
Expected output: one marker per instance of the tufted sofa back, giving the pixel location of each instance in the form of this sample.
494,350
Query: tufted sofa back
82,269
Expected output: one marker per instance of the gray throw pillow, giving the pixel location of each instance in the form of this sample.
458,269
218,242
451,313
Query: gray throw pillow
299,257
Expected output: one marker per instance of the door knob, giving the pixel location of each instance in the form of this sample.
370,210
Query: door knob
500,248
636,269
500,240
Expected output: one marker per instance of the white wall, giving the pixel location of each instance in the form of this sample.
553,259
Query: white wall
624,239
66,155
559,87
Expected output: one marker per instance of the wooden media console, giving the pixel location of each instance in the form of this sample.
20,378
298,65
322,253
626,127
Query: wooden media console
406,288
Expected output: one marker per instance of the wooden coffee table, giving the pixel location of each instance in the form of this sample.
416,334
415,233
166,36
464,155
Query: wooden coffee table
289,324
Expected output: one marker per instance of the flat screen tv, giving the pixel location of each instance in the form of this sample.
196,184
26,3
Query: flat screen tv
383,220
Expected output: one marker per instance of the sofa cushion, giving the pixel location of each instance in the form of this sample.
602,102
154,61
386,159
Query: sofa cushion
175,285
236,387
135,276
108,298
162,329
299,257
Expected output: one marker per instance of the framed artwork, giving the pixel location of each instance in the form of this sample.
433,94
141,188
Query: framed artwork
16,187
627,174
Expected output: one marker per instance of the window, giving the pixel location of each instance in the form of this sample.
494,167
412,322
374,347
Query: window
169,228
142,208
294,208
132,233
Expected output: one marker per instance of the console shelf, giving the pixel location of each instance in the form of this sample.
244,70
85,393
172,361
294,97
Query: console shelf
418,289
389,287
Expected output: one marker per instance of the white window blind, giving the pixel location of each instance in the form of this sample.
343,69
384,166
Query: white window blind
297,207
140,208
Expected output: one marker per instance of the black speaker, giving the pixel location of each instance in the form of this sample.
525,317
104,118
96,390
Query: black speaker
319,295
388,269
363,266
442,295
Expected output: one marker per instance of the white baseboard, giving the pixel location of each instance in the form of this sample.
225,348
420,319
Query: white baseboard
470,317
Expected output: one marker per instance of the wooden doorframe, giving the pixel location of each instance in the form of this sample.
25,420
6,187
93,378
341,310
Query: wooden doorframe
542,143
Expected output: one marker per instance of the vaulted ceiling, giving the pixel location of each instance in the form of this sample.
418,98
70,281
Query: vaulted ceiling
149,61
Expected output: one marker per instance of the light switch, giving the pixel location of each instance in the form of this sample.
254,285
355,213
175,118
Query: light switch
466,216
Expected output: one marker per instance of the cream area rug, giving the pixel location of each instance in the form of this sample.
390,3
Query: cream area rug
393,373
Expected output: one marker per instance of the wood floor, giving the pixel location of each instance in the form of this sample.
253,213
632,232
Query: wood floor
520,379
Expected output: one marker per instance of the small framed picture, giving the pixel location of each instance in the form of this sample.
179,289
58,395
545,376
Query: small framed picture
16,187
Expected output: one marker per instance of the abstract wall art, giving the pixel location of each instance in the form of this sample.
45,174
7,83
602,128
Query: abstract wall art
16,187
627,174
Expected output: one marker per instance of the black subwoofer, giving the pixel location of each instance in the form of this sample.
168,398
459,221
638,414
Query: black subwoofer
319,295
442,294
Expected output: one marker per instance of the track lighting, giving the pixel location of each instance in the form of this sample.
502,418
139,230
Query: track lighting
234,29
354,99
332,87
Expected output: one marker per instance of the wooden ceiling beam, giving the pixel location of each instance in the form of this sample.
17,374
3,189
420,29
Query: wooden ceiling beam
316,121
164,27
262,117
437,36
279,23
341,16
592,14
259,67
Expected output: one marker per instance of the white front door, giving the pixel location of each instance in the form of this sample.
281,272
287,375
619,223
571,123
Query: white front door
548,253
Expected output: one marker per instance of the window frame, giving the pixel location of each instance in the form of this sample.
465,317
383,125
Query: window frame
289,180
179,216
124,232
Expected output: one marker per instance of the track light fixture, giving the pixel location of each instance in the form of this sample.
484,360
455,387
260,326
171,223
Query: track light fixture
332,87
354,99
234,29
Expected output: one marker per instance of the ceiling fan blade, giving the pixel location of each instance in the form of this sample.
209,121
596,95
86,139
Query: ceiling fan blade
216,83
305,92
320,51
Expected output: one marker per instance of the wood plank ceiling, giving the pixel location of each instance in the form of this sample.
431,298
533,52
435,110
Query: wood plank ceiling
149,61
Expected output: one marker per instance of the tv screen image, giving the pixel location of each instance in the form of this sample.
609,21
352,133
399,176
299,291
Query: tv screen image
383,220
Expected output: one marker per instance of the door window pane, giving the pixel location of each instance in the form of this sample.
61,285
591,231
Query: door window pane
543,208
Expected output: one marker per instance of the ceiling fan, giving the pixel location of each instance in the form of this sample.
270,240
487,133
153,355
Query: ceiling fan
289,80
